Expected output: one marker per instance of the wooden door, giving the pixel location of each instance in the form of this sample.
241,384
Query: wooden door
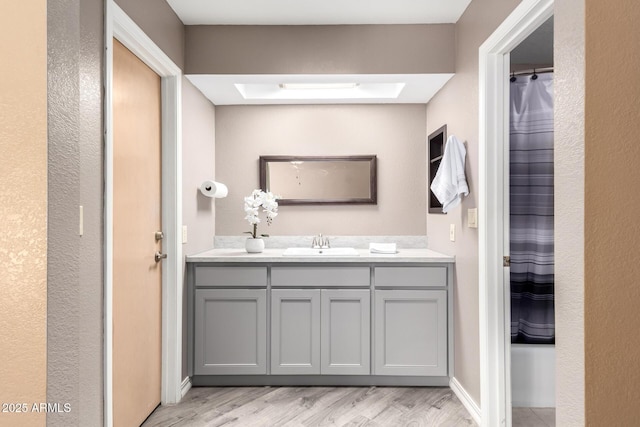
137,277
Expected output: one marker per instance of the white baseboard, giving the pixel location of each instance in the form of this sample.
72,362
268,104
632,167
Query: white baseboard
467,401
186,386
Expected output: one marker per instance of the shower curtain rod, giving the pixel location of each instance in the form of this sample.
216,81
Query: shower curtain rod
532,71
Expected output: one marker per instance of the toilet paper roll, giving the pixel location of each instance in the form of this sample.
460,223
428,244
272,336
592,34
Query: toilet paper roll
214,189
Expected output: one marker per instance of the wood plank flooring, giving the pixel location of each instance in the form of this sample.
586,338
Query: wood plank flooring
314,407
533,417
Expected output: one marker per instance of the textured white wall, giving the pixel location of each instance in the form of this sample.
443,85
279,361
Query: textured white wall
75,140
569,90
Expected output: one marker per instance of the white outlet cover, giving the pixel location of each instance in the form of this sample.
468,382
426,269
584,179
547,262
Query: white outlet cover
472,218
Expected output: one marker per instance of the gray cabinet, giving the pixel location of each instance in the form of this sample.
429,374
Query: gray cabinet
345,332
410,332
317,331
230,331
272,323
295,331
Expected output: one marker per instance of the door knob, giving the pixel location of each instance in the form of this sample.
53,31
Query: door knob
159,236
160,256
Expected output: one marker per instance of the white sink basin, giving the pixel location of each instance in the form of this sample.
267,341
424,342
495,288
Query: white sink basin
320,252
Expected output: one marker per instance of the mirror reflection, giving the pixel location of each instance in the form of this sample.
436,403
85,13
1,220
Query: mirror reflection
320,180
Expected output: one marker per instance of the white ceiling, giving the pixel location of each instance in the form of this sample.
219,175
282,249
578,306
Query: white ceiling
317,12
537,48
222,89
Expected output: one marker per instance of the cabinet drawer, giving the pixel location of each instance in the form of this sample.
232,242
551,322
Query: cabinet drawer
320,276
411,277
231,276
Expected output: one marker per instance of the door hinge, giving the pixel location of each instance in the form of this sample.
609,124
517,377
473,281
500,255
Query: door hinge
506,261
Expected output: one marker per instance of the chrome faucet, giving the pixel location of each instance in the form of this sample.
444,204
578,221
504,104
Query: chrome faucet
320,242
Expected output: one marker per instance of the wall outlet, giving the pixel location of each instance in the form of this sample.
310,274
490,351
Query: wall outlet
184,234
472,218
452,232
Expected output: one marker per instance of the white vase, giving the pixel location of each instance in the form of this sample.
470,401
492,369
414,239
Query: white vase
254,246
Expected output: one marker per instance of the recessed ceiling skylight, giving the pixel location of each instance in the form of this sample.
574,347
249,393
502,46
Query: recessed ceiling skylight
310,91
265,89
318,86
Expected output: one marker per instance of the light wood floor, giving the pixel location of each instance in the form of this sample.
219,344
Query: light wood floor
314,406
533,417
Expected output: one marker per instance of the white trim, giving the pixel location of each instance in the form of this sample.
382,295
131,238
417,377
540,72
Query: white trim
493,124
108,220
120,26
185,387
466,399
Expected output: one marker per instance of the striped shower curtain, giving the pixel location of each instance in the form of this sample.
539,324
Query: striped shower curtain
531,209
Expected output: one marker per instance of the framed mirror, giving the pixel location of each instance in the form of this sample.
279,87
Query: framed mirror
305,180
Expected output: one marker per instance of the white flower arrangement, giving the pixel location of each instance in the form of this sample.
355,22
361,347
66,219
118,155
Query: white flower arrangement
252,204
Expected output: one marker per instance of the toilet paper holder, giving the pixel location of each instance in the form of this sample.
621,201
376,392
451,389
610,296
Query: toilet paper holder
213,189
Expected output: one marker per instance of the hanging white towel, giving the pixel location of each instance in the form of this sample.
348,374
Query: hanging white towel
449,184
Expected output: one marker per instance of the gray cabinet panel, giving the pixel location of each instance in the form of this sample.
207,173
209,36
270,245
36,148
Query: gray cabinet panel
230,331
410,277
295,331
345,343
410,332
320,276
231,276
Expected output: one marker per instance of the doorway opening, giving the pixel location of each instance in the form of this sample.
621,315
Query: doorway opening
495,336
119,26
529,222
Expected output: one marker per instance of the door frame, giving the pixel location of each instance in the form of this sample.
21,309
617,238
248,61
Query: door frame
495,362
118,25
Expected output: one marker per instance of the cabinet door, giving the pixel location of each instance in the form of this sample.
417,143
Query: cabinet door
295,331
410,332
345,332
230,331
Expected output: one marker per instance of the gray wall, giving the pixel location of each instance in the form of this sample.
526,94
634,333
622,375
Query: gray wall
456,105
198,164
320,49
395,133
160,23
74,315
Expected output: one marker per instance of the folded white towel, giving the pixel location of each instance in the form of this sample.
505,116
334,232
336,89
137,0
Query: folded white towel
382,248
449,184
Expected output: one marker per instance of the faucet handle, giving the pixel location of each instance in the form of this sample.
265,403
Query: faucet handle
314,243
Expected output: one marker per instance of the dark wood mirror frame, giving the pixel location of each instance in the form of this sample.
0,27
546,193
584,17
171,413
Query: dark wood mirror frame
371,198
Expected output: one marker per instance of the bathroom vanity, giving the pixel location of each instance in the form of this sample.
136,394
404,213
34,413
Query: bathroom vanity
370,319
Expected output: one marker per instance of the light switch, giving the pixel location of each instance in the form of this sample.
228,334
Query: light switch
184,234
452,232
81,222
472,218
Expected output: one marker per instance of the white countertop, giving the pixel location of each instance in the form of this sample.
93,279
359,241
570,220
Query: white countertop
275,256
